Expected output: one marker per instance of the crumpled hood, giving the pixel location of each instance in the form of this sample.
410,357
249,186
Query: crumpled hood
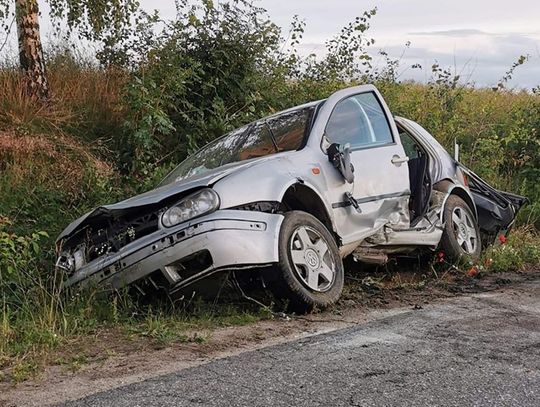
159,194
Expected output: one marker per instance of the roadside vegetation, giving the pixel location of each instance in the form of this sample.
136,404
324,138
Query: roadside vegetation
112,127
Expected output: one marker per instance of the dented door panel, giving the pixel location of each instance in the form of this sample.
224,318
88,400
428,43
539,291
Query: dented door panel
378,196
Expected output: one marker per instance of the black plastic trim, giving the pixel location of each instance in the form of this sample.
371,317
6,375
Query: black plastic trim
344,204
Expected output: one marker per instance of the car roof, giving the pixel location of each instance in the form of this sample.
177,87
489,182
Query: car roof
292,109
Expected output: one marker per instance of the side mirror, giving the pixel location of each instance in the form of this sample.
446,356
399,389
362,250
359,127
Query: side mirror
340,157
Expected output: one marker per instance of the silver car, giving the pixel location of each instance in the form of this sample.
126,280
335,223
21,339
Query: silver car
293,194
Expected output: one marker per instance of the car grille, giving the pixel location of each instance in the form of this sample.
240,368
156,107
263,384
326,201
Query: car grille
117,234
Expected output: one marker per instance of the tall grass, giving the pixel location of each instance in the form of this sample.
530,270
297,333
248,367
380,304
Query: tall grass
86,100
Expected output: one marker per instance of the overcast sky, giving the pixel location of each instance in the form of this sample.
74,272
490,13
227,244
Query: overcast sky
480,38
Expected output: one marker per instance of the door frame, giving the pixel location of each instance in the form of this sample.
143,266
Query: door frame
351,225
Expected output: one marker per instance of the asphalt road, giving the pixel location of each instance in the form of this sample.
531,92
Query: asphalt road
481,350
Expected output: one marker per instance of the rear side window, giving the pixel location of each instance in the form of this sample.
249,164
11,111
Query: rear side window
411,147
360,121
289,128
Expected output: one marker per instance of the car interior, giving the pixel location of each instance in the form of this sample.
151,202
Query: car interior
419,177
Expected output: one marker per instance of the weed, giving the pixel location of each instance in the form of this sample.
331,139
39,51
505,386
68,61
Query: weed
520,250
74,363
23,371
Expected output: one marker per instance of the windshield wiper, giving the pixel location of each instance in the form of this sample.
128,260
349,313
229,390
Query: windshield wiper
274,141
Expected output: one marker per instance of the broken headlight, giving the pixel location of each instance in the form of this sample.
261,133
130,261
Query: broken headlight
71,262
194,205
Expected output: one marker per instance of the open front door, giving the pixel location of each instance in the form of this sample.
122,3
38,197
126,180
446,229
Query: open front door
381,178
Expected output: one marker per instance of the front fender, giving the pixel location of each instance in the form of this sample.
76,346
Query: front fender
270,180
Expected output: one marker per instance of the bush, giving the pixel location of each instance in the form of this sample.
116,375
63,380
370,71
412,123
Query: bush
27,304
521,250
19,258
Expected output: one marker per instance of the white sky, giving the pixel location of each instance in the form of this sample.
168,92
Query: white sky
480,38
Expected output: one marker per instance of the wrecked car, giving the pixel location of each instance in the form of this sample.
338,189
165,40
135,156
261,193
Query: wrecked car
293,194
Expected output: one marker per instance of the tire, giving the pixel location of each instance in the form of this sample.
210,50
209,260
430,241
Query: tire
461,240
310,271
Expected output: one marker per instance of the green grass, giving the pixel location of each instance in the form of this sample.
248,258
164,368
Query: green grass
27,343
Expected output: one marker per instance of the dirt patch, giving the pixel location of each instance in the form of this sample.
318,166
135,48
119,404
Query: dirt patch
109,359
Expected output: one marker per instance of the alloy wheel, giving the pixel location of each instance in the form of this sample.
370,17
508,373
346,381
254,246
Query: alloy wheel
464,230
312,259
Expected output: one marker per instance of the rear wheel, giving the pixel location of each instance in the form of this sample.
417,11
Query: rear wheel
310,267
461,236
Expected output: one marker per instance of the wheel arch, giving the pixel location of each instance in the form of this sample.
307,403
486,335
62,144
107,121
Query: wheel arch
302,197
451,188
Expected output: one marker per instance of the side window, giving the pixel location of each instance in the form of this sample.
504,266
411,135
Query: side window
412,150
359,121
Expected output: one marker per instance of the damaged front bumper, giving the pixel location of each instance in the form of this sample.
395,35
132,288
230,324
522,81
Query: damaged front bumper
182,255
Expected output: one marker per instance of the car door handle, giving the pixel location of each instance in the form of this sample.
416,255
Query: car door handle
397,160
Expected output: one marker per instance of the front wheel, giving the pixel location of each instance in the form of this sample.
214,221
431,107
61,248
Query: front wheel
461,236
310,267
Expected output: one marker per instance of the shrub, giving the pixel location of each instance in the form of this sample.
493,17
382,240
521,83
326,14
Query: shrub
522,249
19,258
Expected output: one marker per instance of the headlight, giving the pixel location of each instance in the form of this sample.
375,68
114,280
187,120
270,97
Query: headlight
66,262
72,262
197,204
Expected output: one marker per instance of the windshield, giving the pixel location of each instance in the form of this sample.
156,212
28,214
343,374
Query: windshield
281,132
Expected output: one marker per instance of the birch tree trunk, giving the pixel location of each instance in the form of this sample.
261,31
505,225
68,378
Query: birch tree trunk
30,49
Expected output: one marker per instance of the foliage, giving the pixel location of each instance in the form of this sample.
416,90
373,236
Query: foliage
19,256
508,75
202,75
101,21
28,303
522,249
